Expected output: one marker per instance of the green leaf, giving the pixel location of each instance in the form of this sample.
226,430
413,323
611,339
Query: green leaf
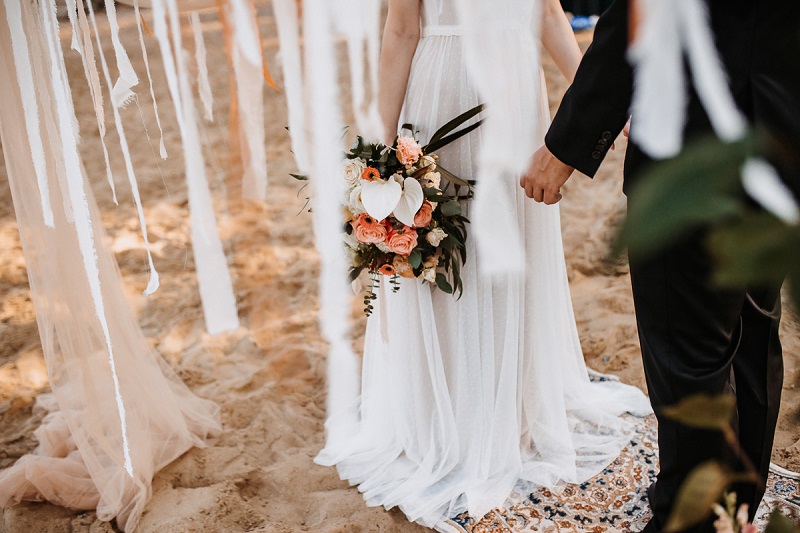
450,208
701,186
703,411
299,177
452,178
354,273
441,282
415,259
444,141
778,523
702,488
456,122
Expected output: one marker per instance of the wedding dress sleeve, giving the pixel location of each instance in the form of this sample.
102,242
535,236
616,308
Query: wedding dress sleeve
595,108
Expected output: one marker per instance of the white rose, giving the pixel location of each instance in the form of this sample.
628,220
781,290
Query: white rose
383,248
435,236
434,179
354,203
353,168
429,274
350,241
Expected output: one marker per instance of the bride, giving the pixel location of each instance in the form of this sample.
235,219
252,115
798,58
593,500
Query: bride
463,399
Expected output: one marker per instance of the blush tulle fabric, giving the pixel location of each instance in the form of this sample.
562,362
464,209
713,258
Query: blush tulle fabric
461,400
80,462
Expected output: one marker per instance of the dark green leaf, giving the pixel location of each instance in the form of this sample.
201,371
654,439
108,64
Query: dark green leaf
441,282
444,141
778,523
450,208
299,177
415,259
452,178
456,122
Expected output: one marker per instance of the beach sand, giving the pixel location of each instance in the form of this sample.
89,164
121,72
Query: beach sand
269,375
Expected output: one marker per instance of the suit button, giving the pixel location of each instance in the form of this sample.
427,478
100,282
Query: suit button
602,142
607,135
597,154
600,148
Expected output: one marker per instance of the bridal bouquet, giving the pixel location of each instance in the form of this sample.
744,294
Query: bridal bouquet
402,213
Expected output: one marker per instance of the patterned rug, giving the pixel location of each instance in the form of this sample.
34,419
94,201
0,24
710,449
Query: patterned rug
613,501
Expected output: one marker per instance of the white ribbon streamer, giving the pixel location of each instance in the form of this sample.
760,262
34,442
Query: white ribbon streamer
79,203
245,32
250,93
328,189
216,288
86,50
667,31
153,283
289,38
121,93
29,106
162,150
202,68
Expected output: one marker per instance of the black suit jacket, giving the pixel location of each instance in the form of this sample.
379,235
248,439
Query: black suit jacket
759,44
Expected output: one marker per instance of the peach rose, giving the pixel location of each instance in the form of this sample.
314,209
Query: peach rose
368,230
403,267
424,215
402,241
387,270
408,150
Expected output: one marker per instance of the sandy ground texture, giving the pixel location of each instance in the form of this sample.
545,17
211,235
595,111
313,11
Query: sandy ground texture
269,375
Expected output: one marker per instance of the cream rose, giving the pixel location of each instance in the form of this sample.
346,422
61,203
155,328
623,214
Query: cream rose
354,203
350,241
434,179
353,168
403,267
429,274
436,236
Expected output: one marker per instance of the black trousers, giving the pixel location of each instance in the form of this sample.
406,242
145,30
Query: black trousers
696,337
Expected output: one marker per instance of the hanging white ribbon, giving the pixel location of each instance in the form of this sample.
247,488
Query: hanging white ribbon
121,93
153,283
202,68
19,44
82,43
162,150
328,189
79,203
246,34
668,30
213,275
250,93
289,38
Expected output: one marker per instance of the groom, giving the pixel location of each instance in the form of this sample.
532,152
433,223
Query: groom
695,337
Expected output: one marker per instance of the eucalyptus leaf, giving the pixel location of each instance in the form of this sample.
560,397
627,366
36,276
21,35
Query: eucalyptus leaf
702,488
703,411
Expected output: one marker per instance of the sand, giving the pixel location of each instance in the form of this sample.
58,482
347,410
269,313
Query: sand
269,375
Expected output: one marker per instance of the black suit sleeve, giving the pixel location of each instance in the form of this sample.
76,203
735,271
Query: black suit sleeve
595,108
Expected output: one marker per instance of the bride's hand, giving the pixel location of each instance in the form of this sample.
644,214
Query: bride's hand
545,177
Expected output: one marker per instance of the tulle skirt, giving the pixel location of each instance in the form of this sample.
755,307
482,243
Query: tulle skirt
462,399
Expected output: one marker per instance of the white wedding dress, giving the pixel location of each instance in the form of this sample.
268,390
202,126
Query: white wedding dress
463,399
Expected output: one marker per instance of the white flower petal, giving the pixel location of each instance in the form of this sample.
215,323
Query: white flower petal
380,198
761,182
409,202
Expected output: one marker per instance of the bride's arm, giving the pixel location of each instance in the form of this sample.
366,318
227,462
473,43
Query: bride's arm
559,39
400,38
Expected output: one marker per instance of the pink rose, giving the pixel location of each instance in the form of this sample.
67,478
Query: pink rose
424,215
402,241
367,230
408,150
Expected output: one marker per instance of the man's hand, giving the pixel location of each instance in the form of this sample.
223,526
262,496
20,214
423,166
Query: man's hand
545,177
